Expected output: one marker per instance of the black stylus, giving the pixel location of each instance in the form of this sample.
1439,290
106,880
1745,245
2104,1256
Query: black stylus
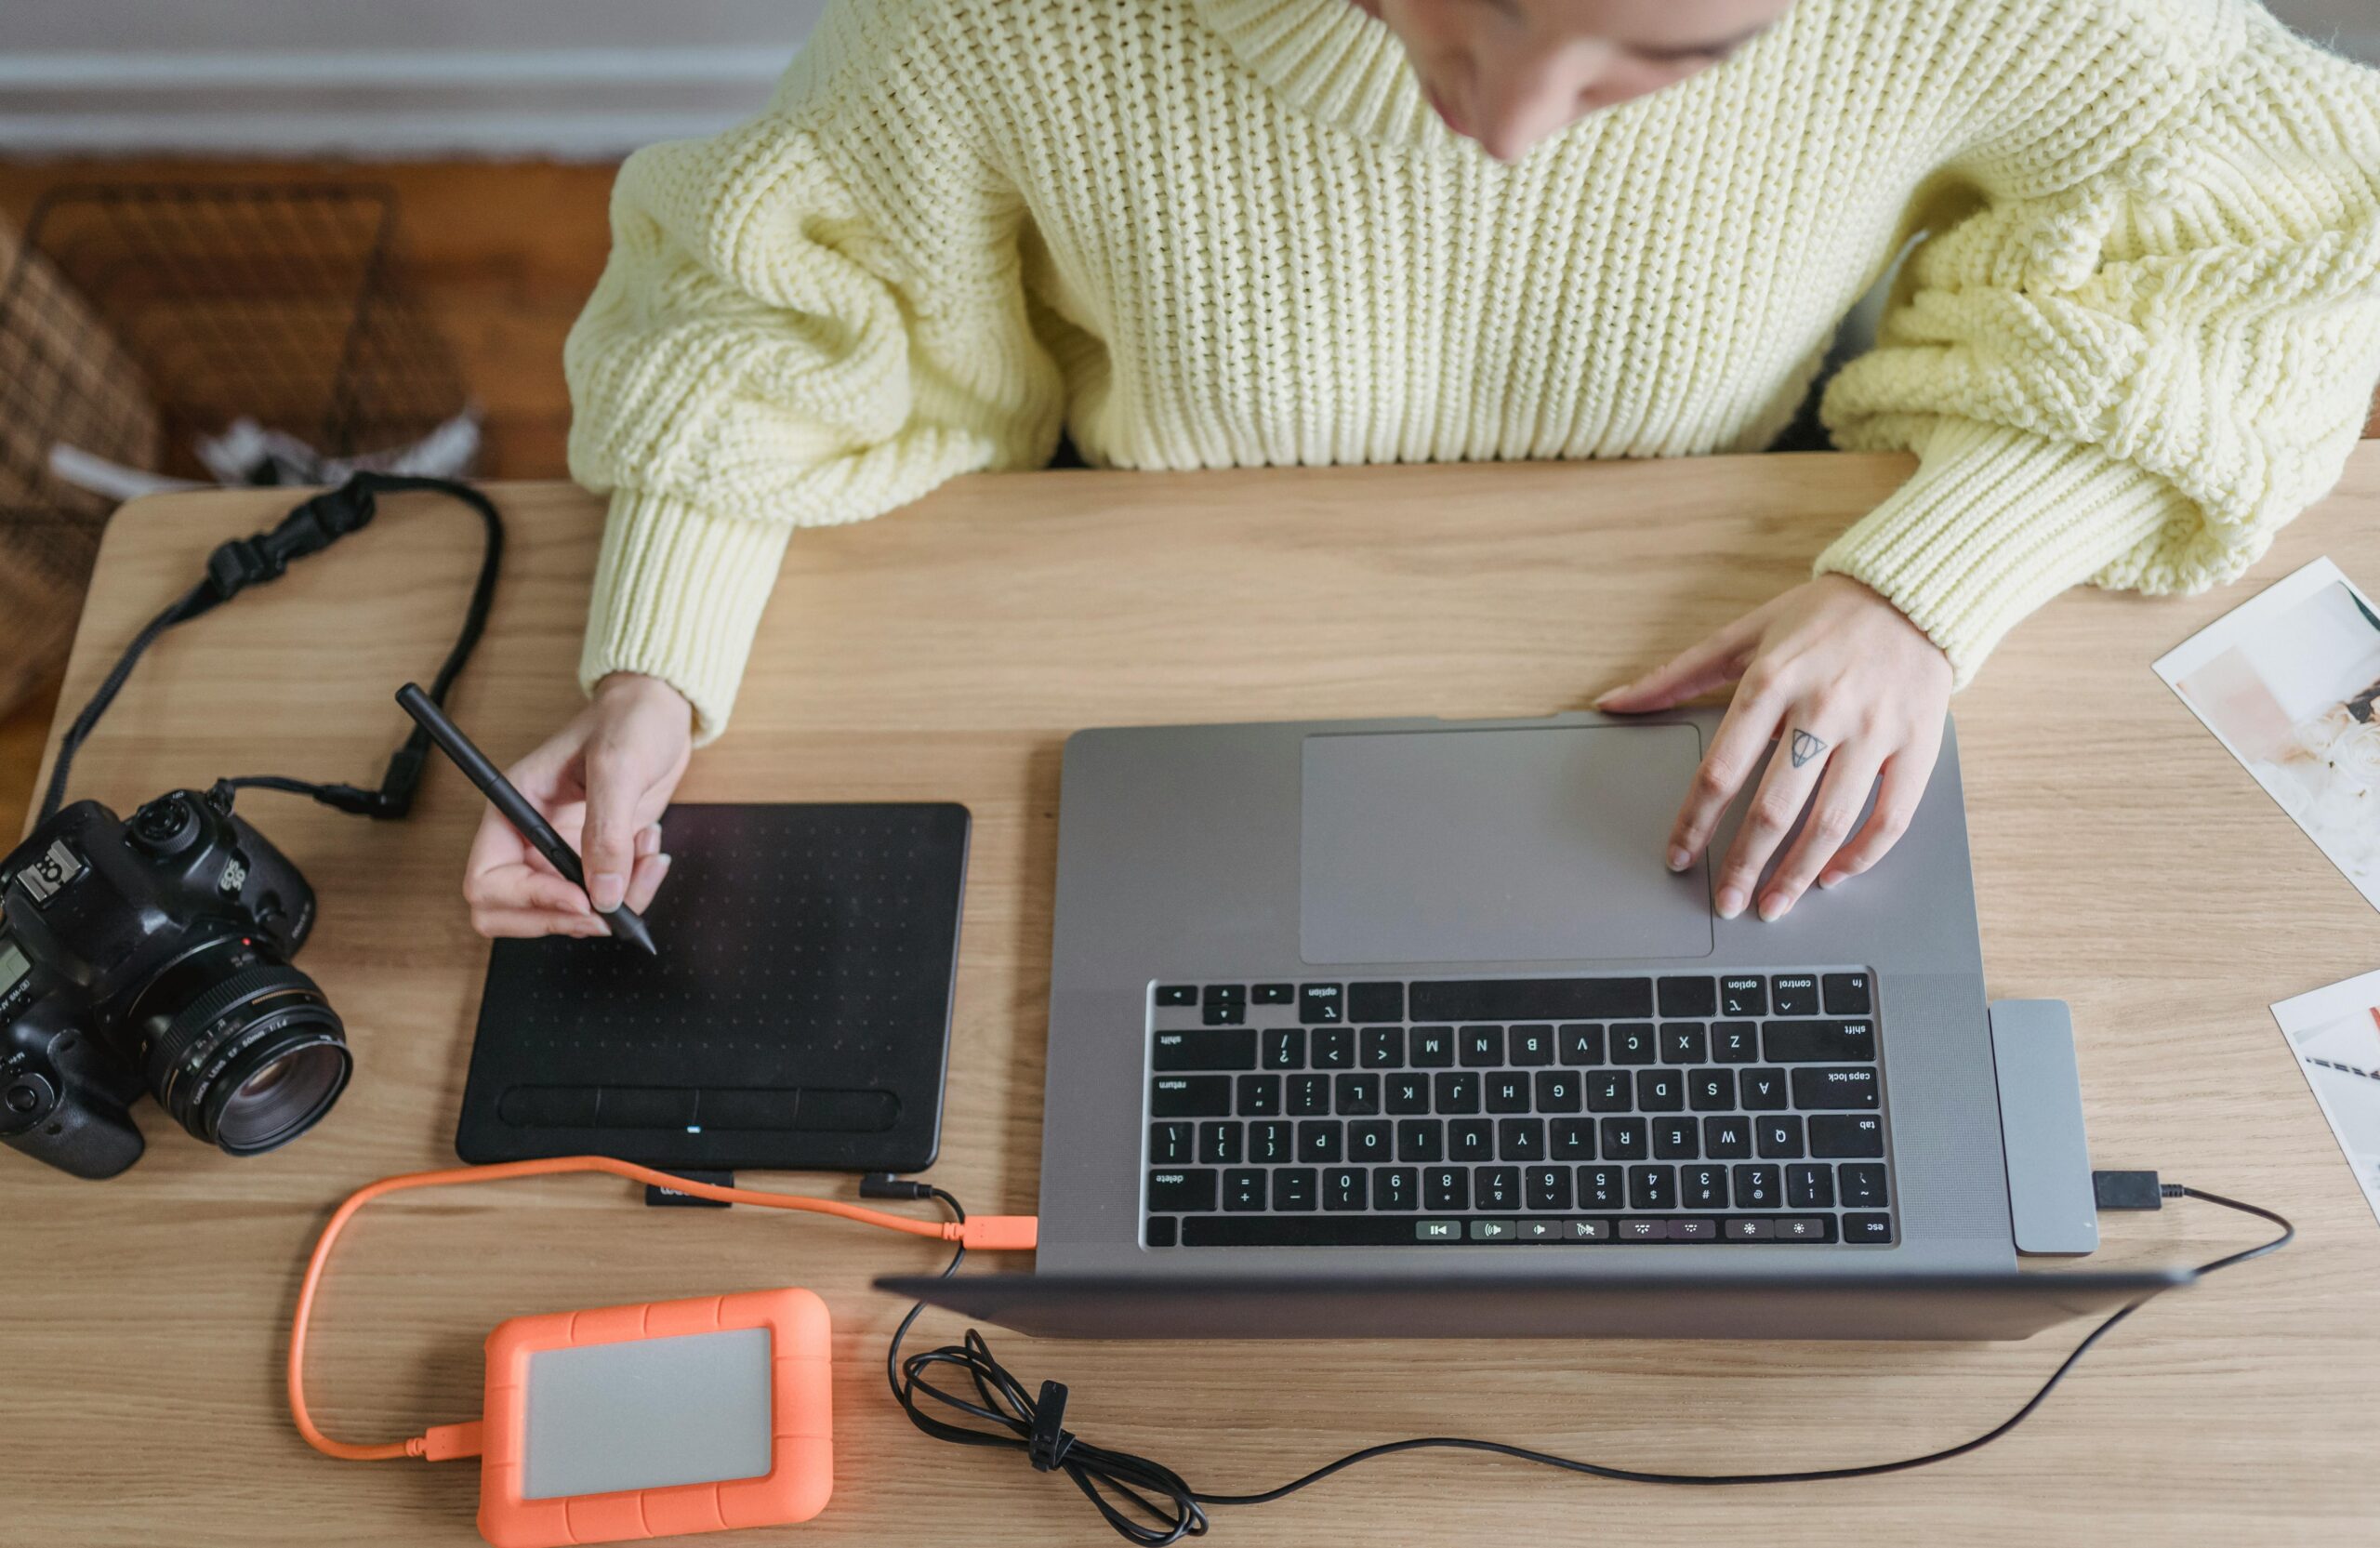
501,793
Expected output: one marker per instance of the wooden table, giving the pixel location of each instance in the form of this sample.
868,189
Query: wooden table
2125,862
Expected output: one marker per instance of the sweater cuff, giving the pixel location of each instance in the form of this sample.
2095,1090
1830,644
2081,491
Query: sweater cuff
679,594
1994,523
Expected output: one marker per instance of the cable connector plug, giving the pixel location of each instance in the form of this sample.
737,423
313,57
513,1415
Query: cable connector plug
449,1442
996,1233
2131,1190
883,1184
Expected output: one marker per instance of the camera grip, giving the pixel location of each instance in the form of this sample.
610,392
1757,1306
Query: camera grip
83,1134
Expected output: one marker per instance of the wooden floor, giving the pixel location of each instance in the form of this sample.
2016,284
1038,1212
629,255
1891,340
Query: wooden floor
502,254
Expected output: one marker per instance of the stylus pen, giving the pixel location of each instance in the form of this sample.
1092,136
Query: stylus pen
502,794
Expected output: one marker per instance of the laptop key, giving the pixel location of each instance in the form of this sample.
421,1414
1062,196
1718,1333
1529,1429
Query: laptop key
1470,1140
1548,1188
1510,999
1259,1095
1520,1140
1169,1143
1846,1135
1760,1091
1293,1188
1557,1092
1806,1228
1334,1047
1321,1004
1507,1092
1356,1096
1397,1188
1274,993
1495,1188
1421,1139
1793,994
1541,1230
1383,1047
1660,1091
1481,1047
1819,1042
1580,1043
1306,1230
1633,1042
1284,1047
1756,1228
1309,1095
1433,1048
1177,1096
1868,1228
1847,994
1675,1140
1711,1091
1219,1047
1231,1013
1610,1091
1345,1188
1322,1139
1457,1091
1735,1042
1757,1187
1702,1187
1272,1141
1603,1188
1223,994
1779,1138
1743,995
1163,1230
1688,996
1531,1046
1586,1230
1244,1190
1494,1230
1375,1002
1809,1185
1694,1230
1836,1090
1571,1140
1407,1093
1181,1190
1863,1184
1370,1142
1652,1187
1624,1139
1177,994
1727,1139
1437,1230
1641,1230
1218,1145
1446,1188
1684,1042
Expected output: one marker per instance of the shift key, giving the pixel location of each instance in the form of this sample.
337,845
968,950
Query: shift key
1818,1042
1180,1096
1232,1048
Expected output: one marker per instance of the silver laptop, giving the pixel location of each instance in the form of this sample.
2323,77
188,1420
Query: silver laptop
1404,1028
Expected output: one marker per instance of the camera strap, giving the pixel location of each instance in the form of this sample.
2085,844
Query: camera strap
245,562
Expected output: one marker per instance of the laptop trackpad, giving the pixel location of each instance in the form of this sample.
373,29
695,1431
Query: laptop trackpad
1539,844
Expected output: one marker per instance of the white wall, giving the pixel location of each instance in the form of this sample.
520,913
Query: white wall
393,78
405,77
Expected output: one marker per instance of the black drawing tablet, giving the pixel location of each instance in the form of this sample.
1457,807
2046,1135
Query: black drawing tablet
797,1017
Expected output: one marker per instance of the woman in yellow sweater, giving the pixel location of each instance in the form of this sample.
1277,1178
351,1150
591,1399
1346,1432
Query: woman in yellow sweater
2139,336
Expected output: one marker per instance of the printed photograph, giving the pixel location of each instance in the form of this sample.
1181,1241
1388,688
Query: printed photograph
2289,684
2335,1034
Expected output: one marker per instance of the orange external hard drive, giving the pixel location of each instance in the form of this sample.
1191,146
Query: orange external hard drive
637,1421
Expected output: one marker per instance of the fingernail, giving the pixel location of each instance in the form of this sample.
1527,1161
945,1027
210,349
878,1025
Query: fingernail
1731,901
605,889
1830,879
661,864
1680,859
1773,906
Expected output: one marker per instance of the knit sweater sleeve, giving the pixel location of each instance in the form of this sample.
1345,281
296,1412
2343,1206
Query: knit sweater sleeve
810,319
2143,331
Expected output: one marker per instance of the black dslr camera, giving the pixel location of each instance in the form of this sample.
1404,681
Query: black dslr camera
153,955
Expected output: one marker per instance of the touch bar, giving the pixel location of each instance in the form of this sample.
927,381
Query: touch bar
1530,999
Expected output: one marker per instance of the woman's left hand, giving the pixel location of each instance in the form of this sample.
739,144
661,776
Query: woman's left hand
1853,689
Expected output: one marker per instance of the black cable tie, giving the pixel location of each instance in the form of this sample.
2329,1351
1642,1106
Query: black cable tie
1049,1443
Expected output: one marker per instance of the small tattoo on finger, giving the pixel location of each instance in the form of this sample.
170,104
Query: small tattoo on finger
1806,746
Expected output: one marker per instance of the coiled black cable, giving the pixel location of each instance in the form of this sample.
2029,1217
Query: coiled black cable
1150,1505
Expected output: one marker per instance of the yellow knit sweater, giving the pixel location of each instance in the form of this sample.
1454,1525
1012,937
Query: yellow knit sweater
1200,233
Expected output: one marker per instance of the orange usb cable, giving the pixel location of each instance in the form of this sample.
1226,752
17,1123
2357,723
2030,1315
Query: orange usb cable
439,1443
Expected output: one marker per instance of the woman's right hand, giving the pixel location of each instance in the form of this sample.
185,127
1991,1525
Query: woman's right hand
603,781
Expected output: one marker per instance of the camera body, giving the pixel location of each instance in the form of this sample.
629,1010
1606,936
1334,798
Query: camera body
154,953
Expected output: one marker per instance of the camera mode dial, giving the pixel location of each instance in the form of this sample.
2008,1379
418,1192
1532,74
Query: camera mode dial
166,826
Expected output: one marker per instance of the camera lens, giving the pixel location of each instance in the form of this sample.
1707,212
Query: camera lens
244,1051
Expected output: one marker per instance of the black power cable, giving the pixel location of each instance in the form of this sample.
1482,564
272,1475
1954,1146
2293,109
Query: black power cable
1151,1505
245,562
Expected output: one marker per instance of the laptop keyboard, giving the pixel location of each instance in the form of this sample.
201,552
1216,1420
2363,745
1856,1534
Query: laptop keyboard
1721,1108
